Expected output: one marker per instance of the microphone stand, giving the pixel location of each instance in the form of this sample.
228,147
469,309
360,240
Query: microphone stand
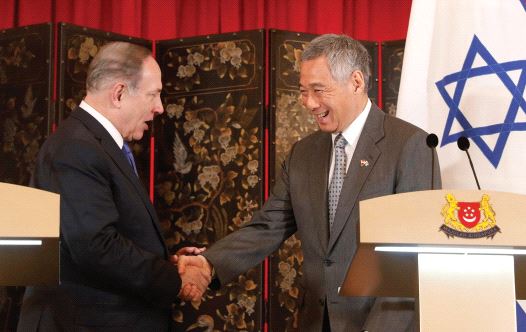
463,144
473,169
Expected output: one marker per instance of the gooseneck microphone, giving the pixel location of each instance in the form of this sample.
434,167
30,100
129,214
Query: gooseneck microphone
463,144
432,142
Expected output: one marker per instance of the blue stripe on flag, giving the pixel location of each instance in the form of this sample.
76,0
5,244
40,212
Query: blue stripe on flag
521,316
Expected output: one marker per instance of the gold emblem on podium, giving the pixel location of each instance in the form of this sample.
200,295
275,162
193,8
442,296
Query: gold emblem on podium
471,220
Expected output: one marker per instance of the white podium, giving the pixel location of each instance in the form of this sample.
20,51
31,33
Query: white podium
29,236
461,253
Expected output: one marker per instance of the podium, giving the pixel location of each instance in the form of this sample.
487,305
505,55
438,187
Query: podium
29,236
460,253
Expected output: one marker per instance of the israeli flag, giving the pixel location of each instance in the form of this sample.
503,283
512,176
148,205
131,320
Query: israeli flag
464,74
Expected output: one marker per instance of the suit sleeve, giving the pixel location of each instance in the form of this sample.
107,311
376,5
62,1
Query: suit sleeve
269,227
90,233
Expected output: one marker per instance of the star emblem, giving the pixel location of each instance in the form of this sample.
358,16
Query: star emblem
509,122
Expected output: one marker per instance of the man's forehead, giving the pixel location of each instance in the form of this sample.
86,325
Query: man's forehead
314,84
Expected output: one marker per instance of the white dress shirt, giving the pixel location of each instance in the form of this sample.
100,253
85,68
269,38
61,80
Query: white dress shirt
351,134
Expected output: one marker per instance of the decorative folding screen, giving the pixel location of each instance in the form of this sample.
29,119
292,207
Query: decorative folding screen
372,48
392,58
25,98
289,122
25,120
78,46
209,161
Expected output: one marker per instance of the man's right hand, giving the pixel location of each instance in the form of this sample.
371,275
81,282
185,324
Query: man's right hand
196,274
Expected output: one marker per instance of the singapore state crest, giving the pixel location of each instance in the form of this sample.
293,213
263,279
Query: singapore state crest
469,220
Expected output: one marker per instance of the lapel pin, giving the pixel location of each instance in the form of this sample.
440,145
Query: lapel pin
364,163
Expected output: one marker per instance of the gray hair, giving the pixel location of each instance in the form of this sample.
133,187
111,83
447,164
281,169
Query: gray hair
344,55
116,61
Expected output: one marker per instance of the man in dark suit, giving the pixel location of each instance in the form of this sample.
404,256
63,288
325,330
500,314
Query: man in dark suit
359,153
115,270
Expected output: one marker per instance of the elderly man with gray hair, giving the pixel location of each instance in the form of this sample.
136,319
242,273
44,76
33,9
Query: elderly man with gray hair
115,271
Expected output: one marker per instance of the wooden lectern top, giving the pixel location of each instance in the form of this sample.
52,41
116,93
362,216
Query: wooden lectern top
28,212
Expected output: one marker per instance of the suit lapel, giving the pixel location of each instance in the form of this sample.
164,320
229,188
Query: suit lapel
319,184
365,156
108,144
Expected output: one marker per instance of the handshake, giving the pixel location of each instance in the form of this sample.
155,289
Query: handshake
195,272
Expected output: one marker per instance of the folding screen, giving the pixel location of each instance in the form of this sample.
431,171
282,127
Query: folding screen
209,161
25,98
289,122
372,48
392,58
78,46
25,120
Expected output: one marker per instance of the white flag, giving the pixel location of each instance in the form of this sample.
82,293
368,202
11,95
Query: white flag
464,74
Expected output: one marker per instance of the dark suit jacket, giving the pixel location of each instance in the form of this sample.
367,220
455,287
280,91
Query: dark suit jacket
398,160
114,269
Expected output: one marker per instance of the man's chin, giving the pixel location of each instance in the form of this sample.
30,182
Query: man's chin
137,136
327,129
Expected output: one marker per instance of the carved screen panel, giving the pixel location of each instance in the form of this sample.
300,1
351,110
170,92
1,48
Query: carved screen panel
372,48
392,59
290,122
25,120
209,161
78,46
25,98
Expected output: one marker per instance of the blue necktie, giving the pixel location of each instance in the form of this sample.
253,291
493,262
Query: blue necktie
338,175
129,156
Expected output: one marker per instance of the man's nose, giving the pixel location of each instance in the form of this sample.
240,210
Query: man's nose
310,101
159,109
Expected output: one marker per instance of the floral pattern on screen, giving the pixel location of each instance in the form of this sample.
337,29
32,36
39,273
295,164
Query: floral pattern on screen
209,163
210,66
209,188
81,49
290,123
392,59
25,112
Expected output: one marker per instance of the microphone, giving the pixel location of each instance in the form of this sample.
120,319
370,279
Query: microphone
432,142
463,144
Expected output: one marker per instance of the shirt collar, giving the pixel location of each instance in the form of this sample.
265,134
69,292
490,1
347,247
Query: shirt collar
110,128
354,130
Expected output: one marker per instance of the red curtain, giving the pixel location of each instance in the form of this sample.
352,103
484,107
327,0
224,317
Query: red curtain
376,20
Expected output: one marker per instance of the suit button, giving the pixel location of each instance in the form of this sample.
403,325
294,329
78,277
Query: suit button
321,302
327,262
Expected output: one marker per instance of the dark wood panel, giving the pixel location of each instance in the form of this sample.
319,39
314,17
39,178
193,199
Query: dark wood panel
209,161
26,111
392,59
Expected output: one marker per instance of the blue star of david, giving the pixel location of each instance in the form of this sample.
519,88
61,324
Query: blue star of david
517,101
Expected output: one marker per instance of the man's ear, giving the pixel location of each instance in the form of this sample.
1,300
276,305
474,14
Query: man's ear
358,82
117,92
